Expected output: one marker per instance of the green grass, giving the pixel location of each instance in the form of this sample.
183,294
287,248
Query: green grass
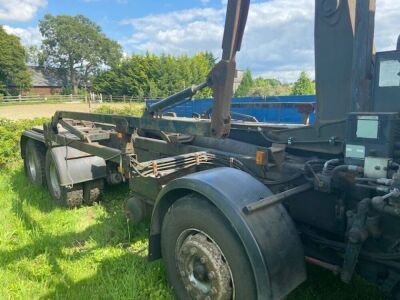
86,253
135,109
10,135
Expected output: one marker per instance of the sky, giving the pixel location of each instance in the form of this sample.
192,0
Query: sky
278,41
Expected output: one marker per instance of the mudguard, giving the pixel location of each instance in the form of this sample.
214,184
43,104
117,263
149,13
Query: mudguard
269,236
76,166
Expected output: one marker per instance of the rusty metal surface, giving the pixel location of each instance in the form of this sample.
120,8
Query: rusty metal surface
223,74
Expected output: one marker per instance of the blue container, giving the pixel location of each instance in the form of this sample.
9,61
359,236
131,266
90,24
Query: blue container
281,112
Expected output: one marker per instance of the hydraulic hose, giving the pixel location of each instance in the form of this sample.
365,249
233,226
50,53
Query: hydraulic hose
346,168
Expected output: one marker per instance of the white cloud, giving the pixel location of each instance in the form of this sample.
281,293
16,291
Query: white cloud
29,36
20,10
272,43
185,31
279,38
278,41
387,24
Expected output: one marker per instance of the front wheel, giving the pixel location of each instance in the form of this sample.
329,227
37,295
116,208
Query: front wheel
203,256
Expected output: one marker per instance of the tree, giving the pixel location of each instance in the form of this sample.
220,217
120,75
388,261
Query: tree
245,85
78,46
34,56
269,87
13,71
155,76
210,57
304,85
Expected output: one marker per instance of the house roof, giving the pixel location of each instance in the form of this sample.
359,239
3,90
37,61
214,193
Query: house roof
45,77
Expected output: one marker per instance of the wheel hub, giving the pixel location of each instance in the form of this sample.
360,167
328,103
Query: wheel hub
203,268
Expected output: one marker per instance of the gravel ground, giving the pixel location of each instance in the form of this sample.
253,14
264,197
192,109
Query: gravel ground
31,111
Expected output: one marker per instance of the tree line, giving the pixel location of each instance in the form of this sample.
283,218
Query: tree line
86,59
152,76
273,87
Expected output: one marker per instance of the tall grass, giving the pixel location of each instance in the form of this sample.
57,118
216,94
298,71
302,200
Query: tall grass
133,109
86,253
10,134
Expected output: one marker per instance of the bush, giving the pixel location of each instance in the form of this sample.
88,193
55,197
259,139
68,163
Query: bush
136,109
10,134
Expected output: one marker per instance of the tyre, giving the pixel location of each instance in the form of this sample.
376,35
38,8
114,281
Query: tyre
34,162
136,209
65,196
92,191
203,256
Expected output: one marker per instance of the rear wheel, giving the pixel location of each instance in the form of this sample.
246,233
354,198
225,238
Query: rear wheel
203,256
34,162
136,210
69,196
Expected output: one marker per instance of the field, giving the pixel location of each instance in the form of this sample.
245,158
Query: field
47,252
39,110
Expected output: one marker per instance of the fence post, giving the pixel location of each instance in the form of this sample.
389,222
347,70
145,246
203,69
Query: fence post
20,97
90,105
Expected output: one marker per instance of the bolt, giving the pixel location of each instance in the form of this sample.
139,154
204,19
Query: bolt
203,259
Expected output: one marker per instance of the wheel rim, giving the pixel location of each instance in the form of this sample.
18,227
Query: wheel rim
32,164
203,268
55,185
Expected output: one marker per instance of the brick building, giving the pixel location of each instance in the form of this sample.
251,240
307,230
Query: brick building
45,82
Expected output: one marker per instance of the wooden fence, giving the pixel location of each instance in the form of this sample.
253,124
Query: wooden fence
43,98
111,98
94,98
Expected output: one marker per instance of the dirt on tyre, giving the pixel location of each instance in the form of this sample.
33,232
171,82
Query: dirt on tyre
34,162
67,196
203,256
92,191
